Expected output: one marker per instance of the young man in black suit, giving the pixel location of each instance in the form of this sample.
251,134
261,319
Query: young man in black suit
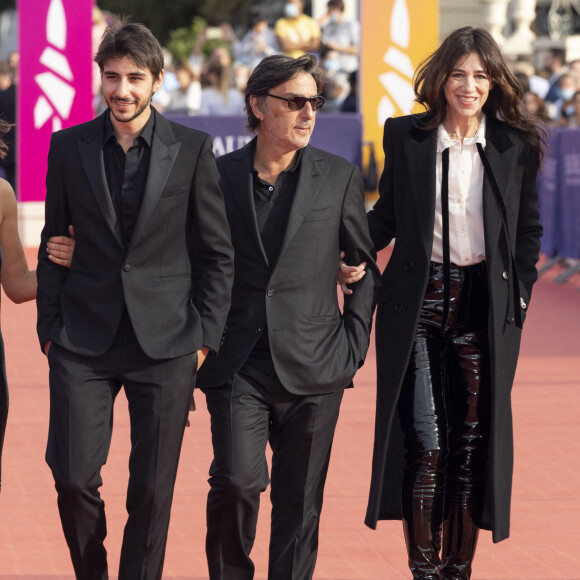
145,300
287,352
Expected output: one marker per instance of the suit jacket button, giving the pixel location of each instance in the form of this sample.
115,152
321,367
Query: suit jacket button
510,319
399,307
127,267
270,292
409,266
505,275
258,330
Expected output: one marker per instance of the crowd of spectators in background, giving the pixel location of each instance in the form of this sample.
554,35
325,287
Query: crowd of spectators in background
552,93
213,84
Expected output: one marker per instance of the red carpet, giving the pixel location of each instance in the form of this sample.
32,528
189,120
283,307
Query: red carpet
546,511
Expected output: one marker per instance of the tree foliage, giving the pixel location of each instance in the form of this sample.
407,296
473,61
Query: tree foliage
162,17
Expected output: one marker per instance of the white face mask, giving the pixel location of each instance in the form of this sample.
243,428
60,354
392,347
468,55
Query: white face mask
332,65
290,10
334,17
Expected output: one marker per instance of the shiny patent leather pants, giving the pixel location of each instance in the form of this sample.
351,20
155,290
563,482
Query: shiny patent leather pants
445,413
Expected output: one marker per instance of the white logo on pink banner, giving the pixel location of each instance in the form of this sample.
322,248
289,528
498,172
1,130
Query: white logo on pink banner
59,94
55,86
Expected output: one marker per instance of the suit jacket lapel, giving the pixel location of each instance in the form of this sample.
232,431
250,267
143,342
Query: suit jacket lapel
313,172
164,150
91,152
422,187
241,185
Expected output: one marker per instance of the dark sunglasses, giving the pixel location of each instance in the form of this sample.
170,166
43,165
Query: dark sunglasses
297,103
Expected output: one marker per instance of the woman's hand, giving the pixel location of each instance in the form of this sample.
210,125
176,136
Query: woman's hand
60,249
349,274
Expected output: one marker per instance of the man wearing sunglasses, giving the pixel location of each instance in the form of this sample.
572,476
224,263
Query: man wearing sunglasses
287,352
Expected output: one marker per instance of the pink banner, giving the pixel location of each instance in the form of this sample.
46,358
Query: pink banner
54,90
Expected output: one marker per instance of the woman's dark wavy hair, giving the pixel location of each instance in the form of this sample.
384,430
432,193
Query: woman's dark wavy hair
505,97
273,71
4,128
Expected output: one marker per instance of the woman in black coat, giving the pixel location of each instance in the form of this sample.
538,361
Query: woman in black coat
452,305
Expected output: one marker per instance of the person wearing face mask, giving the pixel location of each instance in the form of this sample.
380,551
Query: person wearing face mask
297,32
342,36
567,86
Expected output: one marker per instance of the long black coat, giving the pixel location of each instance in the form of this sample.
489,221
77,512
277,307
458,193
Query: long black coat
406,211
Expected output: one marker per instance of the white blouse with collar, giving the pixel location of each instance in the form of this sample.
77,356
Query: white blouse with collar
466,235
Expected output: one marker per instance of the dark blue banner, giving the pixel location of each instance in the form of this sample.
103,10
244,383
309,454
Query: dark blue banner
559,194
337,133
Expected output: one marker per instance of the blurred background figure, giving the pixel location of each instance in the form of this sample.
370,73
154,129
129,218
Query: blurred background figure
99,26
574,117
297,32
535,106
214,43
567,86
240,75
535,82
6,75
170,83
350,104
341,36
220,97
336,90
185,99
259,42
555,63
8,86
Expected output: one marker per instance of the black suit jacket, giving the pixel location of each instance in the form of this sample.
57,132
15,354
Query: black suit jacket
315,348
174,279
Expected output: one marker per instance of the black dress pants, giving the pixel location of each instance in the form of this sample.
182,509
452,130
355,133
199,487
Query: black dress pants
445,413
252,409
82,394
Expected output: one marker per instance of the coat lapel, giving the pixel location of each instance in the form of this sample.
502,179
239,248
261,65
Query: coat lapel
241,185
164,150
313,172
422,187
500,153
91,152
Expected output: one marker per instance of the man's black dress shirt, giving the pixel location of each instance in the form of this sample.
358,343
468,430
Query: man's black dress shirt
127,174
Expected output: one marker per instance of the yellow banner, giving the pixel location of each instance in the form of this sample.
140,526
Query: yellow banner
396,35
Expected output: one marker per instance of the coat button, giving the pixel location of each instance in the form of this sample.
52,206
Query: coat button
408,266
258,330
127,267
270,292
399,307
505,275
510,319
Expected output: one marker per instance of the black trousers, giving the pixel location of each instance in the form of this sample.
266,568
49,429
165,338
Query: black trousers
82,394
445,413
252,409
